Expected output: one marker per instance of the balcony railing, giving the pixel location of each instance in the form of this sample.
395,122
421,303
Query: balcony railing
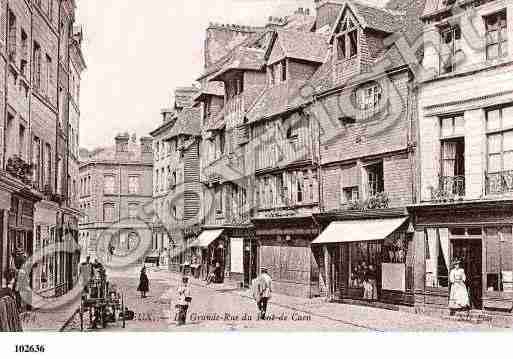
453,185
499,182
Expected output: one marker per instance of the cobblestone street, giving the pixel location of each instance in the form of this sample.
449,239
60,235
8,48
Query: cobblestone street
224,307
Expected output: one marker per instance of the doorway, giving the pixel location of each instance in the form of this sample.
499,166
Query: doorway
470,253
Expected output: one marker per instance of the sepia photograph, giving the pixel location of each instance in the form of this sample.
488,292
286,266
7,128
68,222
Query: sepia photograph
255,166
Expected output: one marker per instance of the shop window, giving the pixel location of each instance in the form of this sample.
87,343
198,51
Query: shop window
499,259
437,258
496,35
364,259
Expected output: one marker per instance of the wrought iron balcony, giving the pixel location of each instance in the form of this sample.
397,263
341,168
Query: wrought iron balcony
452,185
499,182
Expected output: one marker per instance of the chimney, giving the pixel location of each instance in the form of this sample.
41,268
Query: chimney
122,141
146,149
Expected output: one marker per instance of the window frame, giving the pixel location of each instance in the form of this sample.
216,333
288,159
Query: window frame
454,50
350,33
502,34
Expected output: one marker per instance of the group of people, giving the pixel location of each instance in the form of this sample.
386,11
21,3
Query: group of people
365,276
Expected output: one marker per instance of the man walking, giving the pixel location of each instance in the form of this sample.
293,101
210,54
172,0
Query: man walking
262,291
184,299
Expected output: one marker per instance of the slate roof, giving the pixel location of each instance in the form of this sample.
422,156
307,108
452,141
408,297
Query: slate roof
211,88
188,123
243,58
307,46
298,22
276,100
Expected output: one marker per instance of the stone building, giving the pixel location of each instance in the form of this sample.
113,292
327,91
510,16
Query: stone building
38,211
466,154
115,187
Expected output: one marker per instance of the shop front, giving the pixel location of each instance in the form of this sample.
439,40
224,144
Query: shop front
479,234
225,253
283,245
369,259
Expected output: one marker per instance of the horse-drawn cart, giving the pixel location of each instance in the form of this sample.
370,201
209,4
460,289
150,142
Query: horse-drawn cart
102,302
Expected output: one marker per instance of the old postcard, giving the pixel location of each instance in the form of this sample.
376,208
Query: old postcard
255,165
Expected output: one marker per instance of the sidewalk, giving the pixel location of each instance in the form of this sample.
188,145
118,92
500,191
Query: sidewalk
371,318
48,320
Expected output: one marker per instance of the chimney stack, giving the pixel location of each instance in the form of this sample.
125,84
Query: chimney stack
146,149
122,142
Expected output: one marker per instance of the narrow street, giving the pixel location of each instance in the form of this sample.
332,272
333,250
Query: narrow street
224,307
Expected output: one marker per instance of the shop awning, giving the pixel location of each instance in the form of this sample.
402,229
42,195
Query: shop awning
206,237
359,231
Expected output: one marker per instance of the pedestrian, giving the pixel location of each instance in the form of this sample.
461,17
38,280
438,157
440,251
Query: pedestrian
184,300
459,297
370,287
262,288
10,320
144,283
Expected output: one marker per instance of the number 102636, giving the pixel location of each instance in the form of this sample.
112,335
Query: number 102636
29,348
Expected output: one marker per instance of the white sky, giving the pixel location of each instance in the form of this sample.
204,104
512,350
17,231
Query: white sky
136,55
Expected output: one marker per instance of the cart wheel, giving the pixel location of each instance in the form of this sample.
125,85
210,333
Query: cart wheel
123,310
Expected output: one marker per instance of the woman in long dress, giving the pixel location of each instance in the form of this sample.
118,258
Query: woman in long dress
144,283
459,298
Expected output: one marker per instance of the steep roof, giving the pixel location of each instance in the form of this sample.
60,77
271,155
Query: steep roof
243,58
372,17
307,46
211,88
276,100
188,123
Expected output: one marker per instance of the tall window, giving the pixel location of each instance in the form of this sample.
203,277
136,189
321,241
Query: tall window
499,126
11,36
48,74
36,158
272,75
133,184
37,66
375,179
284,70
347,40
300,186
437,257
496,35
219,199
157,180
132,210
108,212
48,165
452,176
24,53
450,49
21,142
109,184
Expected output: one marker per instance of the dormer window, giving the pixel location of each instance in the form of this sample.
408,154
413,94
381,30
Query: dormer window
347,41
278,72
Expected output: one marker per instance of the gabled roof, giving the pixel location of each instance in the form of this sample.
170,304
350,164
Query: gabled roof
188,123
308,46
372,17
243,58
277,100
211,88
249,42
